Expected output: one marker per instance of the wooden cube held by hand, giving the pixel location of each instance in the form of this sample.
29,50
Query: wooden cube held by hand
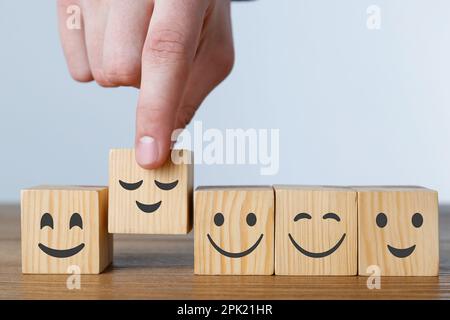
155,201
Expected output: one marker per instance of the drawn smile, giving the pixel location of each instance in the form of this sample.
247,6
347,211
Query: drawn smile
148,208
401,253
317,254
235,254
57,253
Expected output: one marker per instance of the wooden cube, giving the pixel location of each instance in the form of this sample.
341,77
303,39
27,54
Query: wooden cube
150,201
64,226
398,230
234,231
316,230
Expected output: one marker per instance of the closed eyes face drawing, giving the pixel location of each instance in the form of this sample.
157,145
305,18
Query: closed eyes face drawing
148,207
144,191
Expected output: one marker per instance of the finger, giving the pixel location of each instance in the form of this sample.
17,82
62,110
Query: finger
70,24
213,63
95,18
168,54
124,39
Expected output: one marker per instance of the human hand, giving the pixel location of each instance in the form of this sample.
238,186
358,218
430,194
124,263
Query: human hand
175,51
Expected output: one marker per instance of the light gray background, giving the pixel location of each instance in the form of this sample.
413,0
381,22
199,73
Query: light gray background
354,106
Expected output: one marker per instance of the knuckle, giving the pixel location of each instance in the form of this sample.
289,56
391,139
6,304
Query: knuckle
223,60
122,71
104,83
166,45
81,75
101,80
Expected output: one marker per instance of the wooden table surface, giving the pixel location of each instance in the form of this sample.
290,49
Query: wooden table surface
161,267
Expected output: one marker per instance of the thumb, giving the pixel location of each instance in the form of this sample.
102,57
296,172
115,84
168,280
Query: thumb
167,57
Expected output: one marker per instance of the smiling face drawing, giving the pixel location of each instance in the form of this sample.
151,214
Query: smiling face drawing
219,221
234,230
149,201
316,230
47,222
416,220
398,230
322,254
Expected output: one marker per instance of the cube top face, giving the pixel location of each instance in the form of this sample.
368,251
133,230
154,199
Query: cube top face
398,231
66,188
234,231
149,201
233,188
286,187
390,188
63,227
316,230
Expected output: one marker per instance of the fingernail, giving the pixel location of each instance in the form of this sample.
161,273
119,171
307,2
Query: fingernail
147,151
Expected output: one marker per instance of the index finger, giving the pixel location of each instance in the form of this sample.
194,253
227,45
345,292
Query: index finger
168,55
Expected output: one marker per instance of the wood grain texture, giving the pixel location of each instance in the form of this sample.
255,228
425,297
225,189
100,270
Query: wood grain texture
398,204
161,267
316,233
61,203
235,235
174,215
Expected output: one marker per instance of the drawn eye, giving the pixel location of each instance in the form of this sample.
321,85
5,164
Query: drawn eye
130,186
218,219
332,215
46,221
381,220
251,219
417,220
166,186
302,215
76,221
